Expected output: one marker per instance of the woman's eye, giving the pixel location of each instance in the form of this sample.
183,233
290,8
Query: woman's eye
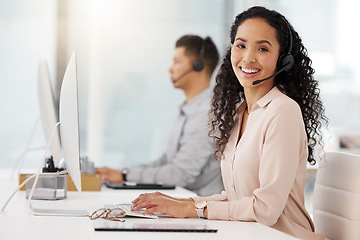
263,49
241,46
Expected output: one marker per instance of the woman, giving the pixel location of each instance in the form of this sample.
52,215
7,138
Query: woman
267,114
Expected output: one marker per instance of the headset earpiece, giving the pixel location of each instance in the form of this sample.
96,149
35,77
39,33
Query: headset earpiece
286,61
198,64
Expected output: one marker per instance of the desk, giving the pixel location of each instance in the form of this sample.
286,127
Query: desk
18,222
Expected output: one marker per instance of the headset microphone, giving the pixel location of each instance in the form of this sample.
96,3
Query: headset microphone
273,75
182,75
286,61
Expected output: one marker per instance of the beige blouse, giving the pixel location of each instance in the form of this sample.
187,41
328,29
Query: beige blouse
264,173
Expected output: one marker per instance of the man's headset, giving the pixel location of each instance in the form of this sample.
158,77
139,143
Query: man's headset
285,62
198,64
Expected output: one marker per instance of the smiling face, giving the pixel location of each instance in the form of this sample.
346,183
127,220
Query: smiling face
255,52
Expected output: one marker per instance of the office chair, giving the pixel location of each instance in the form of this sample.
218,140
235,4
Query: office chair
336,199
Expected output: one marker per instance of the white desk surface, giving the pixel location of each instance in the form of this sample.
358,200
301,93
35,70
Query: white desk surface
17,222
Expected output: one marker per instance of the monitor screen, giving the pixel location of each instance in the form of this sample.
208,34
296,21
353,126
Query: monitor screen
69,122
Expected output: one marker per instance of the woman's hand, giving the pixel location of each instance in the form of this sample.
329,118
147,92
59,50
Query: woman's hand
158,202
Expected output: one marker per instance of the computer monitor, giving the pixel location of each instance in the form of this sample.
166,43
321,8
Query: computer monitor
69,135
69,122
47,110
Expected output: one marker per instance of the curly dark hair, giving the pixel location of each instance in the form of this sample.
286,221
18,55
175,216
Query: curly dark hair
298,83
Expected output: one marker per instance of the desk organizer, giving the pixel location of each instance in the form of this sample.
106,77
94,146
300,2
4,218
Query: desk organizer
48,187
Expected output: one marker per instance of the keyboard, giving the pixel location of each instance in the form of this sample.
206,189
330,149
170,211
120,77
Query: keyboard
127,208
133,185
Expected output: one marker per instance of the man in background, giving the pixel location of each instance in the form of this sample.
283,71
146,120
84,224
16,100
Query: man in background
188,159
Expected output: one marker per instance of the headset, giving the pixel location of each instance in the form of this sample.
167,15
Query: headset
285,62
198,64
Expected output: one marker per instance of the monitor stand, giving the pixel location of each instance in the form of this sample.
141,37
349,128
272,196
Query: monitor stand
58,212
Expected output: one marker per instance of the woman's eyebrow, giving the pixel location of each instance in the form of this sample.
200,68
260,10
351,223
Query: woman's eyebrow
264,41
259,42
241,39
